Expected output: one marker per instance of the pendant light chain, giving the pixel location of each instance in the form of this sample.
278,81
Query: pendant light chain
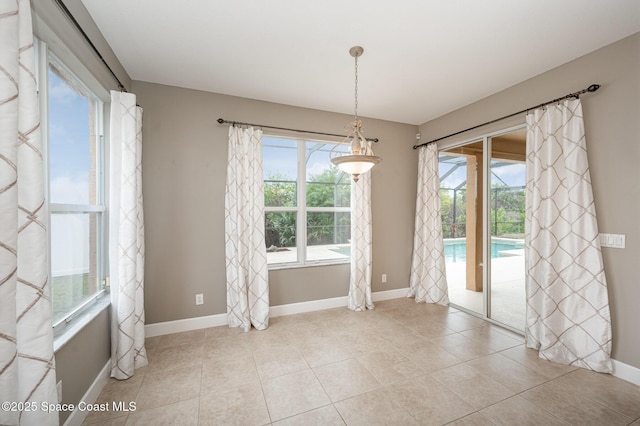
356,91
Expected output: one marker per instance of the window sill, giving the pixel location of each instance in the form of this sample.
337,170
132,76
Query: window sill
65,335
281,266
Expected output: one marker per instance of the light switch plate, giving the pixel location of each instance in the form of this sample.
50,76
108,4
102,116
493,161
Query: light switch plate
612,240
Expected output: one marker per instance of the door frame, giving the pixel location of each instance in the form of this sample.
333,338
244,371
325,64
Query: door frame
486,217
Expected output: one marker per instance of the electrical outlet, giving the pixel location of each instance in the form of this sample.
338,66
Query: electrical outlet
384,278
59,389
199,299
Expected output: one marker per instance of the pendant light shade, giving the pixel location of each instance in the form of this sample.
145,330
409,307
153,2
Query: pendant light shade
361,158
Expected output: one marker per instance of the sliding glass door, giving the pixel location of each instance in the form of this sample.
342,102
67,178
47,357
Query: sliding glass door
507,178
461,200
482,207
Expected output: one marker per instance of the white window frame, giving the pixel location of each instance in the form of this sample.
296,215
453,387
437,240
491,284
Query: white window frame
301,210
64,328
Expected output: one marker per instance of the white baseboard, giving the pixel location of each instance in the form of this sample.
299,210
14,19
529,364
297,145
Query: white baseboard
91,395
310,306
390,294
626,372
189,324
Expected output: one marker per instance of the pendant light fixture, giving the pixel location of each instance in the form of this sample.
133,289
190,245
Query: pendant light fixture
361,158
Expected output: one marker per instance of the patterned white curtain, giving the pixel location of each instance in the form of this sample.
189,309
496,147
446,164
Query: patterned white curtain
126,237
246,254
568,318
359,298
428,280
27,365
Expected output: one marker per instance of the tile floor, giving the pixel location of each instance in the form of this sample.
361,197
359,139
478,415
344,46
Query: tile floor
402,363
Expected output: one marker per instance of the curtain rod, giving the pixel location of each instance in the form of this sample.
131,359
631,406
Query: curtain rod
238,123
589,89
88,40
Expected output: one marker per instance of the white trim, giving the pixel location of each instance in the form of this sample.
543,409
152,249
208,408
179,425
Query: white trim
312,305
78,208
398,293
190,324
77,416
626,372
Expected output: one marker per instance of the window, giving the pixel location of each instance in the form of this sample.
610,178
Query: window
302,186
74,147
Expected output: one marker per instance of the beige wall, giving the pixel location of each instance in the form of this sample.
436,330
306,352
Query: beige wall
184,162
612,126
79,361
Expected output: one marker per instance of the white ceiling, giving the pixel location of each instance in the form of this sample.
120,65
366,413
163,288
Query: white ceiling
422,59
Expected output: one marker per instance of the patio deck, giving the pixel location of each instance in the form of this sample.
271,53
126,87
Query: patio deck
507,289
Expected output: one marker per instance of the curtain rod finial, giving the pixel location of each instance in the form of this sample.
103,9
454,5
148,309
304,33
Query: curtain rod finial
593,88
220,120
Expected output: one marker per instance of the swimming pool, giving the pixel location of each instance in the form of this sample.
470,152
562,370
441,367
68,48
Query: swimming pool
456,250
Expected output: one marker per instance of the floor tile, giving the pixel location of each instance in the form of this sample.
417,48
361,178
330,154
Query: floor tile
222,331
519,411
115,390
507,372
244,405
496,340
180,413
278,362
176,357
228,373
293,394
374,408
475,419
397,334
361,343
461,321
428,329
401,363
270,339
228,347
462,347
610,391
178,339
389,366
429,357
164,388
115,421
324,416
473,387
345,379
428,401
572,407
306,332
530,359
324,351
151,343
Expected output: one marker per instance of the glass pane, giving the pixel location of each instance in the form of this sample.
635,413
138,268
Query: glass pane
279,193
280,171
74,274
72,141
507,207
328,235
461,212
327,186
280,237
